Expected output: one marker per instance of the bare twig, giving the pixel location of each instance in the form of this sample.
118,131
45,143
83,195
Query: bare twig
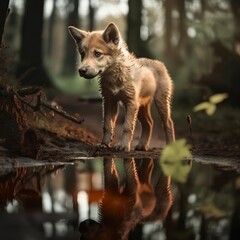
189,121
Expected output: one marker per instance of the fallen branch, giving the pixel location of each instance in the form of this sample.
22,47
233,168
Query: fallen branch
28,91
62,113
40,103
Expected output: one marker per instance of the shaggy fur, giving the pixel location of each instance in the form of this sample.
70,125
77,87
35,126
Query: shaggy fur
123,77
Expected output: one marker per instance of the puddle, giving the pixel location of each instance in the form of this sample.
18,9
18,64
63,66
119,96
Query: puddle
49,201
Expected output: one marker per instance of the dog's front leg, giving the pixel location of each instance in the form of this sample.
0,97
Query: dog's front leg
129,126
110,176
110,112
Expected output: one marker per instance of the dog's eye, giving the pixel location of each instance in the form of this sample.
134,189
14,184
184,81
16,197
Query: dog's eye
82,55
97,54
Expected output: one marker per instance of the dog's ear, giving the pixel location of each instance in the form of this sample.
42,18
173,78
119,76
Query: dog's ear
77,34
111,34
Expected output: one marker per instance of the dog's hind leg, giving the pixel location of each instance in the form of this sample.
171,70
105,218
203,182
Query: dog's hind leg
163,106
145,118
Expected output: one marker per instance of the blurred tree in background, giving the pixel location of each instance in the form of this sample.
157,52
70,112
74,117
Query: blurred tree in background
134,23
92,11
3,14
70,53
51,26
30,69
168,27
180,33
235,6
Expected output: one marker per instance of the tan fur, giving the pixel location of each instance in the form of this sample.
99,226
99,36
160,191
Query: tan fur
127,203
134,82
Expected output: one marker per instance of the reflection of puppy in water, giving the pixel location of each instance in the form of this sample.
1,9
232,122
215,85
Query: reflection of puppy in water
122,208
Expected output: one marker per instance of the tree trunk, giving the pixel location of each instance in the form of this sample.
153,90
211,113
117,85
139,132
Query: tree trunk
3,14
70,55
183,44
134,23
10,35
91,17
50,29
30,69
235,5
182,23
203,7
31,45
168,27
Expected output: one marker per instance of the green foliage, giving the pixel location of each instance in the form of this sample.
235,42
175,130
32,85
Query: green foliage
207,106
75,85
173,160
217,98
212,210
210,105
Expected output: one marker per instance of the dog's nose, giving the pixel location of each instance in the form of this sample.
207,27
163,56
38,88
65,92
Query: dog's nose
82,71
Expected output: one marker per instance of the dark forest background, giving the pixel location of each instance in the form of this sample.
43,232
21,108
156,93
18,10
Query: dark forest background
199,41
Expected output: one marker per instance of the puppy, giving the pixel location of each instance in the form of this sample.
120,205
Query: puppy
123,77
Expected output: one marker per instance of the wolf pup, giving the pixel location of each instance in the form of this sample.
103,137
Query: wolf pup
123,77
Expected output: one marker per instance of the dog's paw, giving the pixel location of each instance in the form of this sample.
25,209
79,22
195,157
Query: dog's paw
103,146
120,147
141,147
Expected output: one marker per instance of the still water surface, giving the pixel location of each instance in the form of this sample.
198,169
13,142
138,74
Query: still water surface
113,198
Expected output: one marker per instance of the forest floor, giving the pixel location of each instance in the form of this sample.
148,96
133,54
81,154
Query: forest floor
215,138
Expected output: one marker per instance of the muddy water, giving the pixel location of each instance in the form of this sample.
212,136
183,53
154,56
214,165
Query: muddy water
201,200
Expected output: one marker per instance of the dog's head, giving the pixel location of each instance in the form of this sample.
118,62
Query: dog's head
89,229
92,230
98,49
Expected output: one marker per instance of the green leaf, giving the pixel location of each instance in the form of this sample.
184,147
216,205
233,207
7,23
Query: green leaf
178,171
171,160
176,151
212,210
201,106
211,109
217,98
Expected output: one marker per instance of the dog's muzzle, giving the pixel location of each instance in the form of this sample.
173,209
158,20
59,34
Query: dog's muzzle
84,73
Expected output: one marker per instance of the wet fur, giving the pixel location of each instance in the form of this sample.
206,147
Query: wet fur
136,200
123,77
